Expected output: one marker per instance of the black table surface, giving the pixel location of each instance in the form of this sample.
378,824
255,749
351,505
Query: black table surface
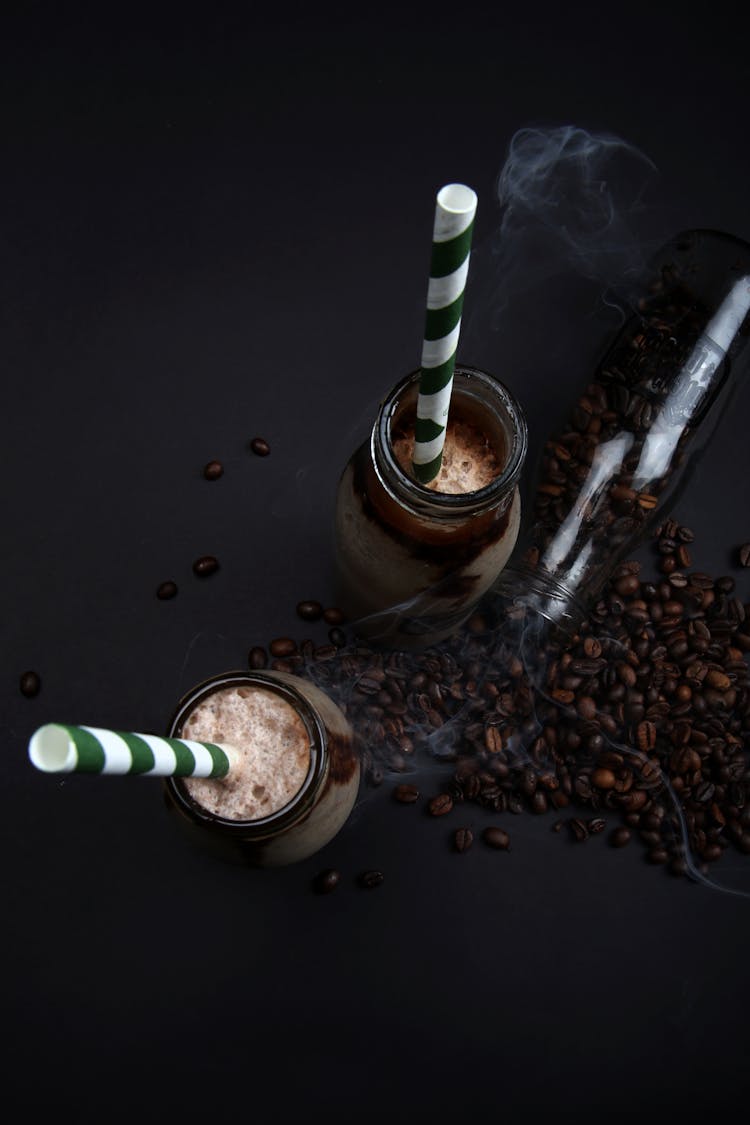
218,229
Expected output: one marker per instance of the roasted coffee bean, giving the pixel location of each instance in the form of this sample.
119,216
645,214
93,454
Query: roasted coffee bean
371,879
527,782
627,585
337,637
166,590
29,684
578,830
282,647
406,794
744,554
332,615
440,804
619,837
326,881
257,658
592,647
309,610
646,735
205,565
213,470
496,838
493,739
260,447
463,838
603,778
596,825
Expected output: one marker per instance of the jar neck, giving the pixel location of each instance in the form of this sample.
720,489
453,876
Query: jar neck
537,593
483,402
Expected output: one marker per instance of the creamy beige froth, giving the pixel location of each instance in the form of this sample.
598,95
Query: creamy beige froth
273,756
469,463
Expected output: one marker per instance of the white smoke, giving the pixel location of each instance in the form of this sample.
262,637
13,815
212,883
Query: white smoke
571,204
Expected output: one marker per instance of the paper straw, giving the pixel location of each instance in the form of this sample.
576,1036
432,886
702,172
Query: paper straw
58,748
455,209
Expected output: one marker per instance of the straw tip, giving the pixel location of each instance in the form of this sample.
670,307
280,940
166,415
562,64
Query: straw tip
459,199
49,748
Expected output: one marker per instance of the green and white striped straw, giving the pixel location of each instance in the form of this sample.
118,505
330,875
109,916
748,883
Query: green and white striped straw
455,209
58,748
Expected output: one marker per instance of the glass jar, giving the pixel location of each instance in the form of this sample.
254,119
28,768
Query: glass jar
412,562
320,739
636,429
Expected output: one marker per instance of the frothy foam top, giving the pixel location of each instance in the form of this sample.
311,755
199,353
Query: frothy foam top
273,747
469,463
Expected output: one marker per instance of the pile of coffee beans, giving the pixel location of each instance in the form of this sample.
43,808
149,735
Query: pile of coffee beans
637,727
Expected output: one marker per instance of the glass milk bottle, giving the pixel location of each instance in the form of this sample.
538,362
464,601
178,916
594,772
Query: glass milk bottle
297,774
616,467
412,560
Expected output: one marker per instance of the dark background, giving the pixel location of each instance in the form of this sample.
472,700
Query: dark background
215,228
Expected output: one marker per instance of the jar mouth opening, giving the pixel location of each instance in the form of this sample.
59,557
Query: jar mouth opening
305,796
535,590
470,386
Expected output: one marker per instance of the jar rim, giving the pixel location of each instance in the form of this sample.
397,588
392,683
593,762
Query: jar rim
427,501
276,822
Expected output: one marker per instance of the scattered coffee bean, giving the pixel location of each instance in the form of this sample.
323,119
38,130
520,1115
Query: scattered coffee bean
260,447
744,554
205,565
337,637
370,879
619,836
326,881
334,616
257,658
496,838
30,684
166,590
463,838
213,470
406,794
578,830
310,610
440,805
282,647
